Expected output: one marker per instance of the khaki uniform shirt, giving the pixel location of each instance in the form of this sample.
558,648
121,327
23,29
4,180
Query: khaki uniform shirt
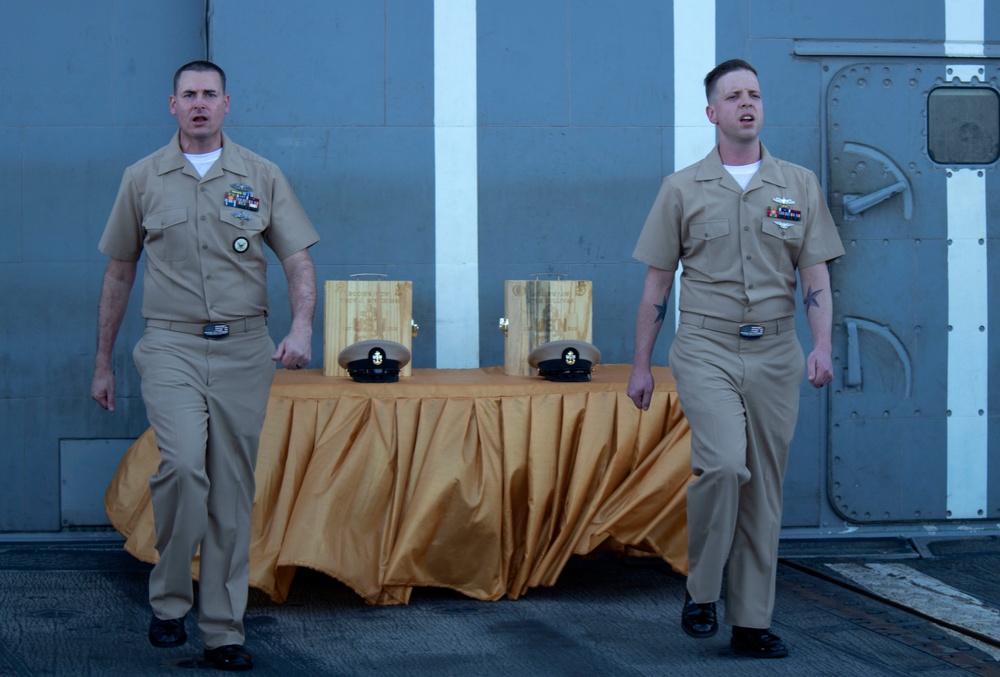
739,261
204,237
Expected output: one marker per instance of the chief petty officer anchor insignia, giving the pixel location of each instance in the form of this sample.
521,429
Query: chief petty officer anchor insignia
241,196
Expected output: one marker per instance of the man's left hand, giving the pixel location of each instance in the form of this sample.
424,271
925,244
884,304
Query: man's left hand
819,368
293,352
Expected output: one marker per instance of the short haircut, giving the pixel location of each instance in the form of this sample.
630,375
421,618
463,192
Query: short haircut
725,67
200,67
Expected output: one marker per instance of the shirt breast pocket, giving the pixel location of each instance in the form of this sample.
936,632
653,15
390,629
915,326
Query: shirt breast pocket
709,246
167,234
783,242
244,232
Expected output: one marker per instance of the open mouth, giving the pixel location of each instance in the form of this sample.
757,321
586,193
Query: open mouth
747,118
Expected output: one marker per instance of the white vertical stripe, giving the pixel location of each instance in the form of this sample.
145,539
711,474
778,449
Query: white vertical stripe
968,358
456,185
694,57
964,28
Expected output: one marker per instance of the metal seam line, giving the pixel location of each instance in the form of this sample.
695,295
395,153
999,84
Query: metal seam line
968,356
456,185
694,57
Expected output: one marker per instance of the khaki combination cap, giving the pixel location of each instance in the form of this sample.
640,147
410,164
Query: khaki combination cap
374,360
565,360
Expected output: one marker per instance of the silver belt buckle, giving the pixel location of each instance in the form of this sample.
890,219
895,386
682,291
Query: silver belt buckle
751,331
215,331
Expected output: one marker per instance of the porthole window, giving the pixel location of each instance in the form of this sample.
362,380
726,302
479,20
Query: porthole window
963,125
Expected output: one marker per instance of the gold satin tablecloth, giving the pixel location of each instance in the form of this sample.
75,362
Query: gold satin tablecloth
466,479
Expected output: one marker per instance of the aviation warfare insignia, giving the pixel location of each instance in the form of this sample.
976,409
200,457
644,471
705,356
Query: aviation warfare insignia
241,196
782,224
783,201
242,216
240,245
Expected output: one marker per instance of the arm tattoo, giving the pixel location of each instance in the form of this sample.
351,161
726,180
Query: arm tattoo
661,311
811,299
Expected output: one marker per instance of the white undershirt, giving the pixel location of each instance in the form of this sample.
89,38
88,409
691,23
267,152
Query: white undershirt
202,163
743,173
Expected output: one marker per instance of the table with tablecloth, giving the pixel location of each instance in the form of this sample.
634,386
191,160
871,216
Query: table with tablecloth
467,479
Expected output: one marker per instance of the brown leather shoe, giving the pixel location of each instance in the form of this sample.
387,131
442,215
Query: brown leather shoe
698,620
757,643
166,634
229,657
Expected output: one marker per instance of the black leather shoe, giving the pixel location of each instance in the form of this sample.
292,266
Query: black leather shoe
167,634
698,620
229,657
757,643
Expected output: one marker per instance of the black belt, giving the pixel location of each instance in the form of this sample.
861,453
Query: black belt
752,330
211,330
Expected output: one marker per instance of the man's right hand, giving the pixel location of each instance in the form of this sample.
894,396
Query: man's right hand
102,389
640,387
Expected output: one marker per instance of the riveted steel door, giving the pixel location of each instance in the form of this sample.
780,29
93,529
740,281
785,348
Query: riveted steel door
911,148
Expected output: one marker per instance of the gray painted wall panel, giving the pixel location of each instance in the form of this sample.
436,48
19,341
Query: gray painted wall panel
568,201
70,79
409,71
70,185
96,62
49,327
142,63
15,443
565,195
619,63
732,30
523,74
330,65
804,476
666,160
48,420
85,467
991,11
793,100
849,19
11,187
368,189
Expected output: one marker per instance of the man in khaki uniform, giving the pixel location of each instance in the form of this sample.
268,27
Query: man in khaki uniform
742,222
202,208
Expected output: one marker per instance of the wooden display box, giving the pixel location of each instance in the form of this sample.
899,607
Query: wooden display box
358,310
539,311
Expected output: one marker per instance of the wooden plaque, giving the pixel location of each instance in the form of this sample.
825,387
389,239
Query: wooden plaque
539,311
358,310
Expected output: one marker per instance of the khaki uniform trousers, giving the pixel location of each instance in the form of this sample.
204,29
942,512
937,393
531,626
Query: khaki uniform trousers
206,401
741,398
